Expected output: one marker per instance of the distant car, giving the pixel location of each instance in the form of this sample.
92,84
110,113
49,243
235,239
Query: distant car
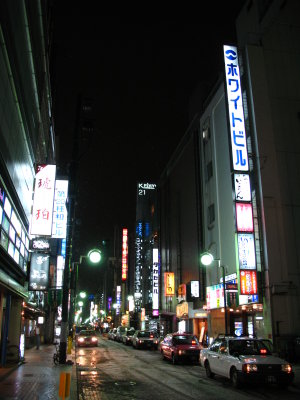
121,330
127,338
112,334
145,339
87,338
245,360
180,347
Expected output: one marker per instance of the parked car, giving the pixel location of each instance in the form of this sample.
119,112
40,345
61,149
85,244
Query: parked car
121,330
127,338
245,360
145,339
112,334
87,338
180,347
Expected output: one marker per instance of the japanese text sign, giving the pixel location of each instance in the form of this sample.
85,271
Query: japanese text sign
235,110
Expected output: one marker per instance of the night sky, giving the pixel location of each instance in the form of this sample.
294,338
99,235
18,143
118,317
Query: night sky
141,70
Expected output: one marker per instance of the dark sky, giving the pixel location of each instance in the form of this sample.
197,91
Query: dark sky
141,70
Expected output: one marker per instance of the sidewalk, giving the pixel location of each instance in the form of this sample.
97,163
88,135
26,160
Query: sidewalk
37,378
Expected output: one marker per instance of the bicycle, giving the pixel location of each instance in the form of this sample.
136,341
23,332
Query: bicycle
56,355
13,355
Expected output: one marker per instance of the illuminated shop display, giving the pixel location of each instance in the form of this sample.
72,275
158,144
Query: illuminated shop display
243,201
42,210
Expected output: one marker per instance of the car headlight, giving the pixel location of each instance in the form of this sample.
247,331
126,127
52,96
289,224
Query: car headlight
250,368
81,340
94,339
286,368
180,352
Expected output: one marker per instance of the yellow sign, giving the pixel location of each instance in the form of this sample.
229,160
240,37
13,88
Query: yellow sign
169,284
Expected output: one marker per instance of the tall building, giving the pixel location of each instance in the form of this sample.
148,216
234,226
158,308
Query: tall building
243,207
26,138
146,285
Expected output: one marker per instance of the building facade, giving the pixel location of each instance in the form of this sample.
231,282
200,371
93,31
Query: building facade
26,138
230,189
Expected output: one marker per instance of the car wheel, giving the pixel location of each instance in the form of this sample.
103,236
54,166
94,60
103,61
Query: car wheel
234,378
174,360
209,374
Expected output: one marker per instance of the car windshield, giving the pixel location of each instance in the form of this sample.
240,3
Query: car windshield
182,339
87,333
248,347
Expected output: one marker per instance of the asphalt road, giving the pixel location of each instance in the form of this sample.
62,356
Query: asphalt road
113,371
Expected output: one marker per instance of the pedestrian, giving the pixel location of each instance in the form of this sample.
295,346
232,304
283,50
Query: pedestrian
37,337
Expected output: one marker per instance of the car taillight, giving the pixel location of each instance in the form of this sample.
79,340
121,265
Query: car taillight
263,351
286,368
193,341
151,336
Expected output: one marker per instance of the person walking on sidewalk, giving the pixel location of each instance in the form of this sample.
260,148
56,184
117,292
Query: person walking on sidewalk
37,337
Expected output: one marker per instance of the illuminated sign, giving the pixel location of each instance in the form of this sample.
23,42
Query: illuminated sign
124,254
244,217
246,251
194,288
214,296
39,271
169,283
248,282
60,213
60,265
40,244
182,310
42,211
242,187
118,300
155,286
235,110
143,187
138,261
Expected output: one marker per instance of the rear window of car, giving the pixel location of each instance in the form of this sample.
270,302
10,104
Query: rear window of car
248,347
146,334
182,339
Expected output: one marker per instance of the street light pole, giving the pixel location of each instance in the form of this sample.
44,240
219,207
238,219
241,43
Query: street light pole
207,259
224,294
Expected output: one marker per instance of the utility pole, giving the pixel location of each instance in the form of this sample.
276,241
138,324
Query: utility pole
69,239
84,128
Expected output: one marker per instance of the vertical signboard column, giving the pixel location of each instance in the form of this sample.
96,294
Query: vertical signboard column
242,188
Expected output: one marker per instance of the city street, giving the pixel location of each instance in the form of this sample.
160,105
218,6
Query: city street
115,371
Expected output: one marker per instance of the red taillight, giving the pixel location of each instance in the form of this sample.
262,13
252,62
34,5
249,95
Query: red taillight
151,336
193,341
263,351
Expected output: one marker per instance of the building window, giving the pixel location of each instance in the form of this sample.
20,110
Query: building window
209,171
211,214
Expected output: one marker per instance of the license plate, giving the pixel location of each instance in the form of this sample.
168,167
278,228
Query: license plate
271,379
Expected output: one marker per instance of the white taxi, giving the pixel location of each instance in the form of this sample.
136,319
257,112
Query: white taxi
245,360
